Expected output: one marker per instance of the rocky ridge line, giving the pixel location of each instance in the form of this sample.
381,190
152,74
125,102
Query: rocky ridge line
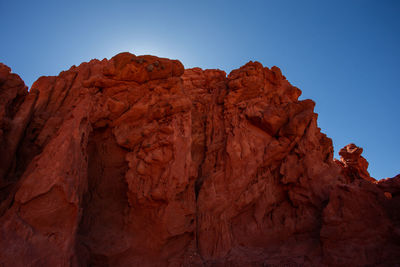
135,161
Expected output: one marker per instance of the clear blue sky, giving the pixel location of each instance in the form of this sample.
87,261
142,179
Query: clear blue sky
345,55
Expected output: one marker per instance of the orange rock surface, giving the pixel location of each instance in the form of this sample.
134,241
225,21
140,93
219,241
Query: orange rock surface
135,161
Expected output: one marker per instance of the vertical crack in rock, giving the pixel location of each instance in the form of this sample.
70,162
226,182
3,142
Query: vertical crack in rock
200,178
206,90
67,91
198,184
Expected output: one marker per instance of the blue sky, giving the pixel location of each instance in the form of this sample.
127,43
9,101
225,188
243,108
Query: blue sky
345,55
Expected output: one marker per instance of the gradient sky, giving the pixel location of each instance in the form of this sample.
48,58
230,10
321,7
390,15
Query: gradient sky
345,55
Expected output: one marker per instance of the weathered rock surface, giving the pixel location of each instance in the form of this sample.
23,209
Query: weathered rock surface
135,161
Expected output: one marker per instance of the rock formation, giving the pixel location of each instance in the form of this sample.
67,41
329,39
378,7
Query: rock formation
135,161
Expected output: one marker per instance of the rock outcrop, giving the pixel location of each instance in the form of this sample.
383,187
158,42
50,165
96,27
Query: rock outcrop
135,161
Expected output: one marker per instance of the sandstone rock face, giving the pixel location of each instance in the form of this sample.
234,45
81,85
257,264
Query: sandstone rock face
135,161
353,164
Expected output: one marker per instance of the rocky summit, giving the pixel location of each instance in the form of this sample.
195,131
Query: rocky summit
136,161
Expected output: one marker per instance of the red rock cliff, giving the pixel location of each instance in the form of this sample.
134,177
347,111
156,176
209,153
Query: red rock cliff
135,161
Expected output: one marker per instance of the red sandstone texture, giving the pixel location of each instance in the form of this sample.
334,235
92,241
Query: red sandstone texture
135,161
